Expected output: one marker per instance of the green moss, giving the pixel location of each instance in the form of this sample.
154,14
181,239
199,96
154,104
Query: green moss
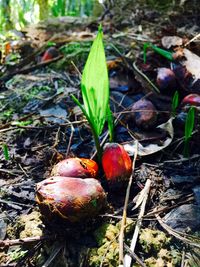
153,240
165,258
107,252
156,244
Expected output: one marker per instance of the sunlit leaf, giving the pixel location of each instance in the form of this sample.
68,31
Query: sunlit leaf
175,102
95,83
5,151
189,124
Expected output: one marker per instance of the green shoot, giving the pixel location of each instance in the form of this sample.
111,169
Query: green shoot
95,91
110,123
189,126
5,151
175,102
168,55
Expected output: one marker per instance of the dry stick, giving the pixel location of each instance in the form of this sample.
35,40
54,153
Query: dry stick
7,77
77,70
176,233
123,221
193,39
183,258
29,255
14,242
127,258
53,255
70,140
106,136
134,256
56,138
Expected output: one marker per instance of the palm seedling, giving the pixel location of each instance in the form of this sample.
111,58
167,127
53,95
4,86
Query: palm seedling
95,92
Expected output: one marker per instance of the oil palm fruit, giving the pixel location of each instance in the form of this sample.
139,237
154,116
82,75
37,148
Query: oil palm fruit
76,167
49,54
166,79
71,199
116,163
191,100
144,114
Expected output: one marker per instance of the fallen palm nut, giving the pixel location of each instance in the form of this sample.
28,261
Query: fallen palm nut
191,100
144,114
166,79
72,199
116,163
49,54
76,167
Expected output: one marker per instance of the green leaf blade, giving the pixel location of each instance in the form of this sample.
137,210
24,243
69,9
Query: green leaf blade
175,102
96,82
189,124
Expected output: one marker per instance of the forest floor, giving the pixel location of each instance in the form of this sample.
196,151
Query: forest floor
41,125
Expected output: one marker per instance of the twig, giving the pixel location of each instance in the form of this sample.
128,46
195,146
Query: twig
70,140
127,258
23,170
183,258
134,256
123,221
176,233
14,242
192,40
53,255
106,135
12,203
154,88
7,77
8,265
29,254
77,70
56,138
17,172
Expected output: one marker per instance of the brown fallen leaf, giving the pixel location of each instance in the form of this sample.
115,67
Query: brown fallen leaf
152,148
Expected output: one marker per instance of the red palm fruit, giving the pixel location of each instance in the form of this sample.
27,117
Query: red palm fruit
144,114
72,199
49,54
116,163
166,78
76,167
192,100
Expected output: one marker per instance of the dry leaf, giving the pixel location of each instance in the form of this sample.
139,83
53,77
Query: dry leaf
152,148
192,63
169,41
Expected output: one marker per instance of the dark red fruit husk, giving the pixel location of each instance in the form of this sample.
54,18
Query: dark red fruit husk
192,100
49,54
116,163
70,199
76,167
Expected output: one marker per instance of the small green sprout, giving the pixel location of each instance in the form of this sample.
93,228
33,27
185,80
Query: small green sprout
5,151
175,102
189,126
95,91
168,55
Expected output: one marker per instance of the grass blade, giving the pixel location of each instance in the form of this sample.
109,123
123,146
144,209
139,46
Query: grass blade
175,102
168,55
5,151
